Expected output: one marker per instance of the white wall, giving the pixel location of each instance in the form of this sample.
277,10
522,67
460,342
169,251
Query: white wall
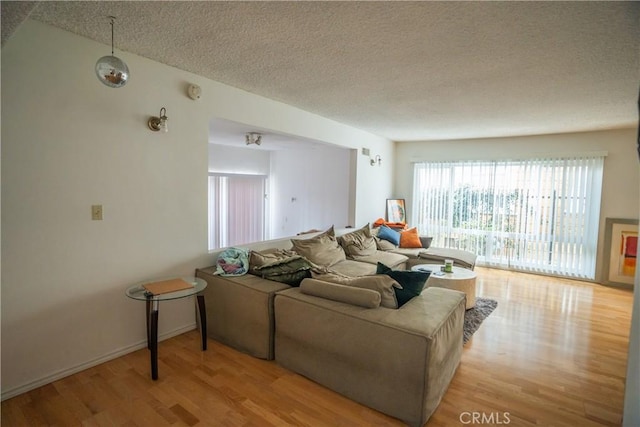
69,142
309,190
309,186
374,185
621,173
226,159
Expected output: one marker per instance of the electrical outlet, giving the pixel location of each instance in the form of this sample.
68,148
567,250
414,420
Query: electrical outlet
96,212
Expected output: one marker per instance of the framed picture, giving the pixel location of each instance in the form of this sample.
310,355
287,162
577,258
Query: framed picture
621,246
396,211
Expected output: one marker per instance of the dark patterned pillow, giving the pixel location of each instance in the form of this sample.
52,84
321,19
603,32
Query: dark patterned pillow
280,266
412,282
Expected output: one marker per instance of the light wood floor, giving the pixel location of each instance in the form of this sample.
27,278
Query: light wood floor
552,354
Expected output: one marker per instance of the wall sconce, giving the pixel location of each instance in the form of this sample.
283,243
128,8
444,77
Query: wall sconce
159,123
377,159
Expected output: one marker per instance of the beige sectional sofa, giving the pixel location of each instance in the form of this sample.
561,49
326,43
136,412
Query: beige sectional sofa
398,361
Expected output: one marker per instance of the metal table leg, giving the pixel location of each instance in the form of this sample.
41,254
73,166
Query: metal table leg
153,335
203,321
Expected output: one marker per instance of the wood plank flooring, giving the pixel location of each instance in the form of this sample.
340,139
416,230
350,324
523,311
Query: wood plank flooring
553,353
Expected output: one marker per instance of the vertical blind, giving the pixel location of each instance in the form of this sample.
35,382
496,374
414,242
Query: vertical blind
537,215
236,209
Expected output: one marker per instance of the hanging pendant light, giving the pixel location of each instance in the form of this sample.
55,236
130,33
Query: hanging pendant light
111,70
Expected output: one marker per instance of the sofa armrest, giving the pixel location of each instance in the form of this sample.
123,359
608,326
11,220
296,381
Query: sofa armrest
461,258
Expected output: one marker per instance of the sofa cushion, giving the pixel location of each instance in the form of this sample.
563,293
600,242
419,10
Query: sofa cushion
384,245
358,243
410,238
411,253
385,285
362,297
322,250
412,282
386,233
393,260
351,268
280,265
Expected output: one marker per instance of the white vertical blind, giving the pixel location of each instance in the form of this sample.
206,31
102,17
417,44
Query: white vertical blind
535,215
236,209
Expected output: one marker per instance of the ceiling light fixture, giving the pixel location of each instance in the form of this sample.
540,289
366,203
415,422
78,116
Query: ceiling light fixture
377,159
159,123
253,138
111,70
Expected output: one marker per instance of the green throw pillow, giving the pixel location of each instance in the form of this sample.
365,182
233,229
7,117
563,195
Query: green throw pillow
412,282
280,266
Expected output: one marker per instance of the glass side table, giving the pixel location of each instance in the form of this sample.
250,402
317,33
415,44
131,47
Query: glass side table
138,292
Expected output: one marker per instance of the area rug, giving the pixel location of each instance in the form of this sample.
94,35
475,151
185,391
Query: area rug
474,316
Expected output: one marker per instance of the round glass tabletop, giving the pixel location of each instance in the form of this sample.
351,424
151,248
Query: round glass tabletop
139,292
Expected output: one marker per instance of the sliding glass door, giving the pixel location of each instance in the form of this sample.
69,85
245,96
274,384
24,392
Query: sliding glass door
536,215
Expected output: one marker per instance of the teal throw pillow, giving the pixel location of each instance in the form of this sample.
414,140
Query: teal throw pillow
412,282
389,235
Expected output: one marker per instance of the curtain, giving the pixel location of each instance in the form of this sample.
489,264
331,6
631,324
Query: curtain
537,215
236,209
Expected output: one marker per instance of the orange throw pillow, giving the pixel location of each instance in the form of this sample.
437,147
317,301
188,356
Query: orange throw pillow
410,238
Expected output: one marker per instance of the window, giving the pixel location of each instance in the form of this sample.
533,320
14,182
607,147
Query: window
236,209
535,215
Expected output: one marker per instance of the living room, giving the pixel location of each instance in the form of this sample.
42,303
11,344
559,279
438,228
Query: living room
70,143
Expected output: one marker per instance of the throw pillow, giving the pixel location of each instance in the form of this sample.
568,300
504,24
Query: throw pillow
384,245
410,238
389,234
280,266
383,284
426,241
412,282
258,259
358,243
322,250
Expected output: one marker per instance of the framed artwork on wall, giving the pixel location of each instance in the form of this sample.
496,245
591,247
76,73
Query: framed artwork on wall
620,250
396,211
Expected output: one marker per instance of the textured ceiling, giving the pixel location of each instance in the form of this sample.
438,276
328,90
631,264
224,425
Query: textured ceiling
402,70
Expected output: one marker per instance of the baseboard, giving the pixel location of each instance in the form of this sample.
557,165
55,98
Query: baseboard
89,364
